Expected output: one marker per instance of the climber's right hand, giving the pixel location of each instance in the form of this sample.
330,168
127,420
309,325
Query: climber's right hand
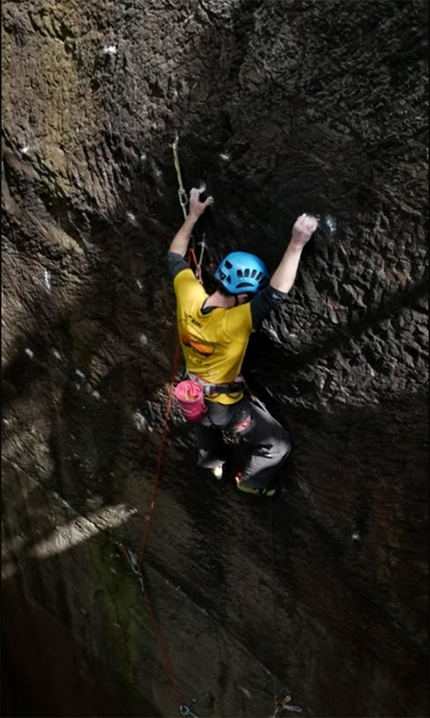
196,208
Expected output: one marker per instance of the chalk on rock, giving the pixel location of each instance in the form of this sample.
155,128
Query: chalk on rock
47,276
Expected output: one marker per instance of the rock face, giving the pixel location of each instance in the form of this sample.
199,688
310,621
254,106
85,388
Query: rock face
281,106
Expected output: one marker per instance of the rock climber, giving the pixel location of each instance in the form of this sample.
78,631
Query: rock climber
214,331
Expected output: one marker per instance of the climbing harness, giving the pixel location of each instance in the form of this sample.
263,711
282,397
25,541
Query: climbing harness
212,390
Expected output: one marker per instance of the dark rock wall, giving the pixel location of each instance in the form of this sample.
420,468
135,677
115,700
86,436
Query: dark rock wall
281,106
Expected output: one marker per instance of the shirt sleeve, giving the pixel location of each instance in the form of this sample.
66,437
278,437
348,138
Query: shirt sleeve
264,302
176,263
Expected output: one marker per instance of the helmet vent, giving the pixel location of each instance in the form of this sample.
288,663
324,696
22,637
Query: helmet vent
239,273
228,264
247,272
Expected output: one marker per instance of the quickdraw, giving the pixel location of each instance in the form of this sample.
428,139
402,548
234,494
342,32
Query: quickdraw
182,195
184,710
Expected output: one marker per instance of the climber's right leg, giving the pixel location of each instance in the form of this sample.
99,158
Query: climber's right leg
211,450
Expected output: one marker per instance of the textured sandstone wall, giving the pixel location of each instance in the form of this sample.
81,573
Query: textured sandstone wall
282,106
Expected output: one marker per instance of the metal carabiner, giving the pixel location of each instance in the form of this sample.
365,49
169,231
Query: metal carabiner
183,197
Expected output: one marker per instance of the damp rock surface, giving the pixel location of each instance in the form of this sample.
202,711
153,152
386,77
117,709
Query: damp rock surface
281,107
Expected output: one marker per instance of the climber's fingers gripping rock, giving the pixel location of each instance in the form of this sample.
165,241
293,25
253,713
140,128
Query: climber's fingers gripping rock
303,229
196,208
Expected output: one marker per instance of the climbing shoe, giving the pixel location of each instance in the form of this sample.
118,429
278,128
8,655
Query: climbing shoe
271,491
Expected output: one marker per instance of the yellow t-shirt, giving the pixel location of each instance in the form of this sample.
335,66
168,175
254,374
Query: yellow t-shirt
213,344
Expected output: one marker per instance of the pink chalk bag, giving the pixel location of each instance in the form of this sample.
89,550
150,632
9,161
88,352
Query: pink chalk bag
190,398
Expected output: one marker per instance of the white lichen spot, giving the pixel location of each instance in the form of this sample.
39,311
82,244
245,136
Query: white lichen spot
331,223
143,157
144,340
29,353
131,218
45,449
25,150
225,156
139,283
56,354
110,50
113,570
95,394
273,333
80,374
356,536
140,421
6,422
47,276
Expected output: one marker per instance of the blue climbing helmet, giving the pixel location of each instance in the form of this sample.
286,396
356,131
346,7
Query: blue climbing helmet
242,272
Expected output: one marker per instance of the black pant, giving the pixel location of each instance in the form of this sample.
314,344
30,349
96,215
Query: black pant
270,441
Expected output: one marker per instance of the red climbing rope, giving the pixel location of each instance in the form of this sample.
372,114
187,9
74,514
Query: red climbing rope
163,650
137,567
155,625
160,455
191,259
